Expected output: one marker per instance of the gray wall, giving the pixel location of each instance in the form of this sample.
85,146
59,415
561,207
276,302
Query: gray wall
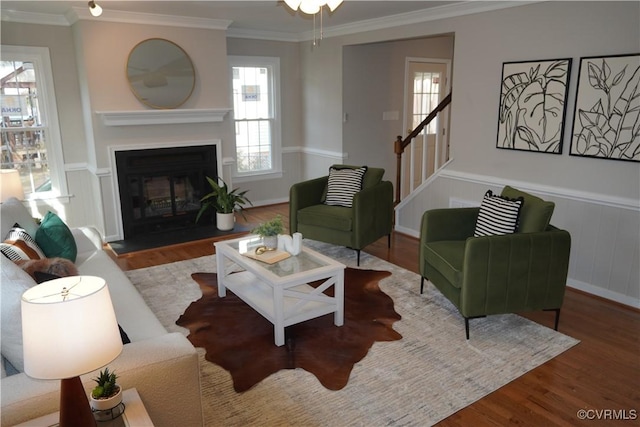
373,83
597,200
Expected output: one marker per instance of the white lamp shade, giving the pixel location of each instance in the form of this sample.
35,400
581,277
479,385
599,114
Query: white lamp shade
10,185
64,337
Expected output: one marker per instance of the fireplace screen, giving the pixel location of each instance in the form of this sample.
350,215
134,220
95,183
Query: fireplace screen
158,196
160,189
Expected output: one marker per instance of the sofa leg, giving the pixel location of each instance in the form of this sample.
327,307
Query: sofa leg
389,240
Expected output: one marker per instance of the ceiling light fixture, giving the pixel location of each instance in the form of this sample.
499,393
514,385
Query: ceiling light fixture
313,7
95,8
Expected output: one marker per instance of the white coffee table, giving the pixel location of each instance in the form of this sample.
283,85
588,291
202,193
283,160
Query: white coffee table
280,291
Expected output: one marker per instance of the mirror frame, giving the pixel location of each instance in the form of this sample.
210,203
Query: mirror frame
159,89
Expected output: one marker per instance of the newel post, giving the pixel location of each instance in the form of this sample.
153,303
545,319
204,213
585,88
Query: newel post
397,148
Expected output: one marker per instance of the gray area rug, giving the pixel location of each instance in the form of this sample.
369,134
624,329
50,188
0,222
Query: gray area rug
431,373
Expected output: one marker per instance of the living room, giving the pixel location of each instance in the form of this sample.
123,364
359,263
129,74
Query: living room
596,199
88,58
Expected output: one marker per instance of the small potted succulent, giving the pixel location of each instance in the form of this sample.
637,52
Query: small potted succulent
106,394
269,231
224,202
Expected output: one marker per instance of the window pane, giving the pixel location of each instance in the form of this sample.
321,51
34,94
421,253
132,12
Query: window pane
426,87
24,127
253,145
251,97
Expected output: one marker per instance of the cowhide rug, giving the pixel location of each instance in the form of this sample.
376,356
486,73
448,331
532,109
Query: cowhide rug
241,341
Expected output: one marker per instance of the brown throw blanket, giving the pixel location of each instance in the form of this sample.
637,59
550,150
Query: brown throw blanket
241,341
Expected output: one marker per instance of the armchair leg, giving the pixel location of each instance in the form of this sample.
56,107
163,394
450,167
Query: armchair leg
466,323
557,310
358,261
466,326
389,240
421,284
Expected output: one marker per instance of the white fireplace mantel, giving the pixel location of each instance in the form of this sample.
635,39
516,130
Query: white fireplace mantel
162,117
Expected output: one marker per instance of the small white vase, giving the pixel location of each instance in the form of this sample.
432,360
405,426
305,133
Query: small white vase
225,221
109,403
270,242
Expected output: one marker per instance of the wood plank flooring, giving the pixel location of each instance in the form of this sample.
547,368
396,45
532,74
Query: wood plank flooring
599,374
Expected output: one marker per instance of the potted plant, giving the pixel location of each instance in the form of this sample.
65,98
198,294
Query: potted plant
269,231
224,202
106,394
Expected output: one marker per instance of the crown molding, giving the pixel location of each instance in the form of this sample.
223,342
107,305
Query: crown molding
76,14
34,18
82,13
416,17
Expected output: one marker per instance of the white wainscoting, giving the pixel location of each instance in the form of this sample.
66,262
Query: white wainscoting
605,230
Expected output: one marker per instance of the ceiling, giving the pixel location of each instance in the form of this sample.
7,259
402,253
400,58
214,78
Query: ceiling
250,16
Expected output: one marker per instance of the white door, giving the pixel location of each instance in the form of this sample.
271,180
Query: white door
426,85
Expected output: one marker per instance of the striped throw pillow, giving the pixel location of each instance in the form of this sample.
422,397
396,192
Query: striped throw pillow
343,185
18,244
498,215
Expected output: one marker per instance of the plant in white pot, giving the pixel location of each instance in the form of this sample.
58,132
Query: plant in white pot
269,231
224,202
106,394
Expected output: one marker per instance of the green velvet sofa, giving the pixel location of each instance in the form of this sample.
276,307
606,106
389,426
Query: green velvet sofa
370,217
523,271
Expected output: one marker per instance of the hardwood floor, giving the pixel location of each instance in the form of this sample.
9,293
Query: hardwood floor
599,375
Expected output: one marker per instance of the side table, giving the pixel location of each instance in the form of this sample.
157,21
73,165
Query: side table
135,415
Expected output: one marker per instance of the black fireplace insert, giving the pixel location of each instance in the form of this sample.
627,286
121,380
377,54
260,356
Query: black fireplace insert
160,188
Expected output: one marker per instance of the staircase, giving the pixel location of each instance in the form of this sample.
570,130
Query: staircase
421,154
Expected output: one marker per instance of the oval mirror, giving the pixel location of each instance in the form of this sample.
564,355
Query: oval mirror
160,73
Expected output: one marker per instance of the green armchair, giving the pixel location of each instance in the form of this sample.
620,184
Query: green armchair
370,217
497,274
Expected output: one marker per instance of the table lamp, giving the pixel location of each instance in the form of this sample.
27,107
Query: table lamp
69,328
10,185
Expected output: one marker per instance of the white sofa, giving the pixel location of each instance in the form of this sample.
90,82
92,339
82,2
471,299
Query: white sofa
162,366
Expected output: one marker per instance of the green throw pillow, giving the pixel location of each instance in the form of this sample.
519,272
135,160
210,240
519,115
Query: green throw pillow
535,214
55,238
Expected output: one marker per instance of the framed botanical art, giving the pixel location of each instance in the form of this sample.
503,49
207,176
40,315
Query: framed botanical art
533,105
606,118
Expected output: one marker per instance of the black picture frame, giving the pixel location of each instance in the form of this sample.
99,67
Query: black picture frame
606,118
533,105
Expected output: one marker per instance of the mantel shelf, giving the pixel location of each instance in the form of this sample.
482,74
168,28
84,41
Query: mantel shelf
162,117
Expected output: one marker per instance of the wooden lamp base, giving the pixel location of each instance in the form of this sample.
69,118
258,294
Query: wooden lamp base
74,405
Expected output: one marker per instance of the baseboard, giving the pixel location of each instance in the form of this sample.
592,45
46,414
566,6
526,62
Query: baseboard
604,293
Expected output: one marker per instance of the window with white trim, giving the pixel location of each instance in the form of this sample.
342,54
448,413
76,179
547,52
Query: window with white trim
256,114
31,141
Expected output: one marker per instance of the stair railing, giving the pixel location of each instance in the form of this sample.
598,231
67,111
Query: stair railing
401,144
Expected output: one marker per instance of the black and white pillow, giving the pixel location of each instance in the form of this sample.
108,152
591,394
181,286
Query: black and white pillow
343,185
19,245
498,215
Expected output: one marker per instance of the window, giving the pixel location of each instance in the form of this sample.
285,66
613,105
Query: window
30,133
255,85
426,94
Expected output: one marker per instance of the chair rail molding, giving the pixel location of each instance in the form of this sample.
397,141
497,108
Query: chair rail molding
566,193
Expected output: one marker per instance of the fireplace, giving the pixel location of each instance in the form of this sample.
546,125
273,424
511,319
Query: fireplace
160,188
